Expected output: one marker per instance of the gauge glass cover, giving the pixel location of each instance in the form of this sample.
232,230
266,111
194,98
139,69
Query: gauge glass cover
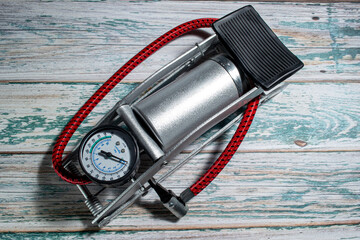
109,155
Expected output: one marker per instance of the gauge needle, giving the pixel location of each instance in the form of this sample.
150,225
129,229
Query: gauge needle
112,157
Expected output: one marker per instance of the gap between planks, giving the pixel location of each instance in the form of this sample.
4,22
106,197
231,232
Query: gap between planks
206,227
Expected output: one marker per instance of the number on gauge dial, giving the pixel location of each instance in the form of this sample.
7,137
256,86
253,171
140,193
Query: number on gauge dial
109,155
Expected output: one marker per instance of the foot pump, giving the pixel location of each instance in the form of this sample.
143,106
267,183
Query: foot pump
243,63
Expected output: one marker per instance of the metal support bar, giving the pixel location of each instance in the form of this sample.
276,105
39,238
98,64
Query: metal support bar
143,138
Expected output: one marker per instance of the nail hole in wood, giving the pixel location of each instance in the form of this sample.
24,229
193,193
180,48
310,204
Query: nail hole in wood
300,143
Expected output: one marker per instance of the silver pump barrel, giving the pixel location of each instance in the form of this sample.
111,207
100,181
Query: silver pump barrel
175,110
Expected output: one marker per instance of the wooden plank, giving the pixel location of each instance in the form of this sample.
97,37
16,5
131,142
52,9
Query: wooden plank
78,44
255,190
325,115
327,232
319,232
98,66
271,189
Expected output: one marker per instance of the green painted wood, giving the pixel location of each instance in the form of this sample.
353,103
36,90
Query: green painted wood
272,188
327,232
254,190
89,41
325,115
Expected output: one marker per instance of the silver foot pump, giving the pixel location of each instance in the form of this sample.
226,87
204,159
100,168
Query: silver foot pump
175,106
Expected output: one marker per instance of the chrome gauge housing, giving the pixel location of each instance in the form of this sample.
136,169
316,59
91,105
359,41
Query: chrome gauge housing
109,155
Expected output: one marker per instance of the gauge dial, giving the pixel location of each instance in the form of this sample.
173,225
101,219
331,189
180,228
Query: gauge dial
109,155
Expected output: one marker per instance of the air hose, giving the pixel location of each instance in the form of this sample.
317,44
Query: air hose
84,111
78,118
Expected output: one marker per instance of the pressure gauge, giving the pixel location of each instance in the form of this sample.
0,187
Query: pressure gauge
109,155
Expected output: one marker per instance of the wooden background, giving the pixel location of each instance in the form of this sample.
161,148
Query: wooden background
54,55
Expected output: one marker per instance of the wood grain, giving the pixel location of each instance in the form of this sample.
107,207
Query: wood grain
54,55
254,190
96,41
327,232
325,115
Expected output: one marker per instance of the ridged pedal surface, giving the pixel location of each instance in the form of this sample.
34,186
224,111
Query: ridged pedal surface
256,48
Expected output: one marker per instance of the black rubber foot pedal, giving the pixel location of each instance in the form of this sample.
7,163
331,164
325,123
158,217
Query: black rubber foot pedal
255,47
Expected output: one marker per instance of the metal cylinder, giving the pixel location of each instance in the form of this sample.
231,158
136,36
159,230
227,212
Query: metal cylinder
175,110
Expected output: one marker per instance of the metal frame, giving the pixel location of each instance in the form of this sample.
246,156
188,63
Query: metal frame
123,113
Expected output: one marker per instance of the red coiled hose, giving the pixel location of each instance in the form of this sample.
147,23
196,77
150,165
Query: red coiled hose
85,110
74,123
